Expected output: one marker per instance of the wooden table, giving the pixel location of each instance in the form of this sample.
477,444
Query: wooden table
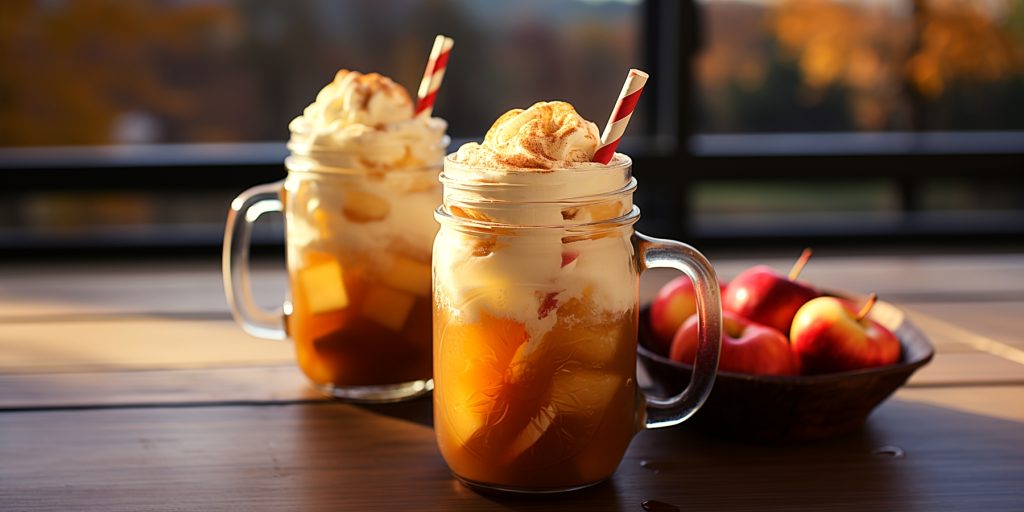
127,387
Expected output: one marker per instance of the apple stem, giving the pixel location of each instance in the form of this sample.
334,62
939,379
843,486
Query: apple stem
800,264
864,310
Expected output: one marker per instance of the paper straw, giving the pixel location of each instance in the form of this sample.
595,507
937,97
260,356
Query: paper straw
433,75
620,115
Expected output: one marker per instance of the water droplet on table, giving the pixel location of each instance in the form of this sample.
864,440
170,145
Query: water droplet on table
892,451
653,466
659,506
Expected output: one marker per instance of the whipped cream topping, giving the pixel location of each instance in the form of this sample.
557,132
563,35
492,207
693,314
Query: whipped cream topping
534,169
547,135
526,197
323,215
366,121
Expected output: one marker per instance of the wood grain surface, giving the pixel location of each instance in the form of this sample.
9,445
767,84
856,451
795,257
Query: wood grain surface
331,456
127,387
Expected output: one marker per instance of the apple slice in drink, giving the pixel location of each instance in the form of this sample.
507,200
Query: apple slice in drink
482,244
387,306
505,393
322,222
409,275
588,337
360,206
548,387
578,394
323,285
471,368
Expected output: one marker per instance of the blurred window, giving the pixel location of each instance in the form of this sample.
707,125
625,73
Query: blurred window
135,122
891,118
97,72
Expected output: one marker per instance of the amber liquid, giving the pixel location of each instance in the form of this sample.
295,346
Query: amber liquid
553,413
351,328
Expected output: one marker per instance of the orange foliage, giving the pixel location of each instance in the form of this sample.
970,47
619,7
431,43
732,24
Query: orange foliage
858,45
89,62
961,39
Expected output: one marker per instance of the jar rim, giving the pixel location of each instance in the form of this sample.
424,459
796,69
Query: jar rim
622,161
333,170
445,218
323,154
303,149
499,185
629,188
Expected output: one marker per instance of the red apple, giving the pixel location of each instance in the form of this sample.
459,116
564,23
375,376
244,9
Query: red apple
830,335
674,303
747,347
767,297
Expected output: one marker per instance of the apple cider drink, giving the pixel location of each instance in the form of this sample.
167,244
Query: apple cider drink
361,186
536,278
535,307
542,396
360,280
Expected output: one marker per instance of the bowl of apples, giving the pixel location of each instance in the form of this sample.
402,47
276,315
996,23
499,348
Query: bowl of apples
797,363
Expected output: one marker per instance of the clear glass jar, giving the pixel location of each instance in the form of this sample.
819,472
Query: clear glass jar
358,245
536,279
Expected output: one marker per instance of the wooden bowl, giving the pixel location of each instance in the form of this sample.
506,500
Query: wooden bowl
788,408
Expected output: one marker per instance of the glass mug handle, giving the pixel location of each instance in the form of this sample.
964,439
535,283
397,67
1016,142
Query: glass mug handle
658,253
245,209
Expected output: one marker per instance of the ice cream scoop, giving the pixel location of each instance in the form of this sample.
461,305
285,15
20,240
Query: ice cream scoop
547,135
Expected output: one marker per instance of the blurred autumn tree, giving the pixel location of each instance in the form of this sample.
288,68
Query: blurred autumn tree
116,71
93,72
877,56
793,65
87,72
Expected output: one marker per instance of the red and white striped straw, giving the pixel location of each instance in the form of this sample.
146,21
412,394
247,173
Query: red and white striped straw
620,115
433,75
